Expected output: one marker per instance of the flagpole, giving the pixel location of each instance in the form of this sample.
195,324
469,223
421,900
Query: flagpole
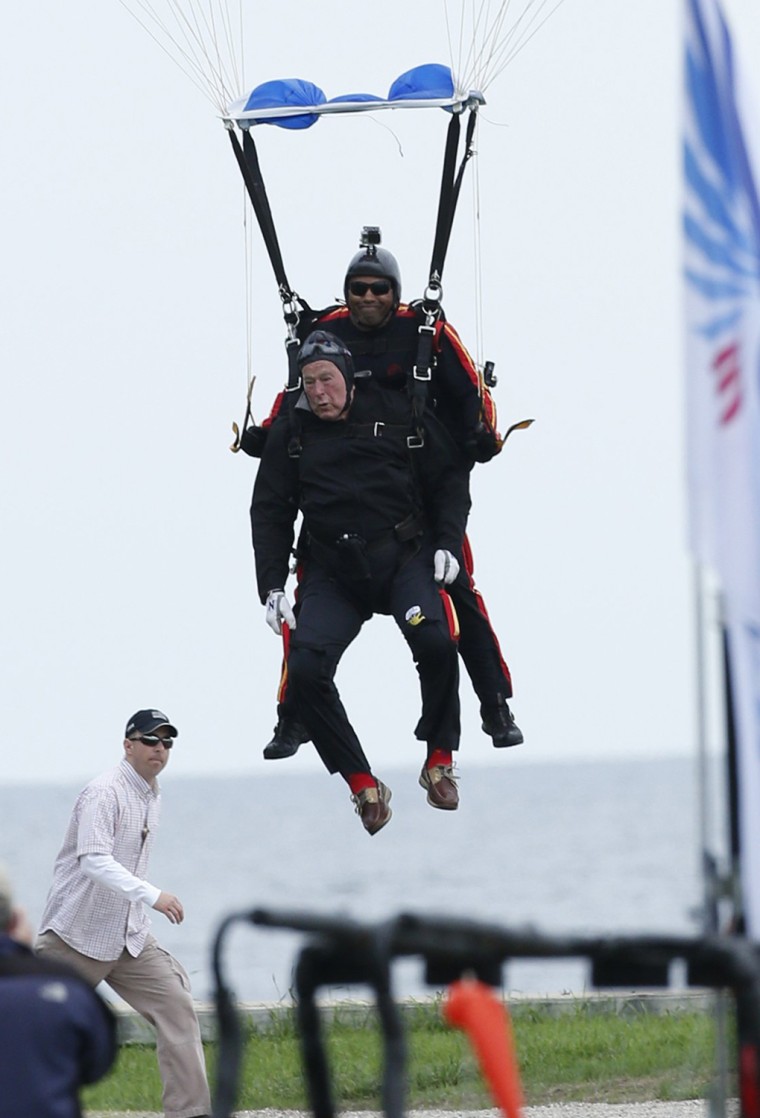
713,879
708,859
732,880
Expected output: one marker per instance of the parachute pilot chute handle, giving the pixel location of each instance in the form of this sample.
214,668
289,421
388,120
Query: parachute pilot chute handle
472,1006
523,425
235,445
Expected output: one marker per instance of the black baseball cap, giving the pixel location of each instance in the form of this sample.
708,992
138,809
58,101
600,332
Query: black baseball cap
146,721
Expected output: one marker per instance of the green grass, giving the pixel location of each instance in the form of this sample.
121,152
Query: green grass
582,1055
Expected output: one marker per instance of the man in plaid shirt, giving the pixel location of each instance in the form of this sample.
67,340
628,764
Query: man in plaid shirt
95,916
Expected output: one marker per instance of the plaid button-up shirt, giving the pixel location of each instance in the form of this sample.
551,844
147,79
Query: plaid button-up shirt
116,813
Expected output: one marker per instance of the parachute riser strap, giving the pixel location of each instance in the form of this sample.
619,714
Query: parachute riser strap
451,184
444,198
248,162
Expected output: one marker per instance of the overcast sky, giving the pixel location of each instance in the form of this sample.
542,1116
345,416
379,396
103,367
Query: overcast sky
127,571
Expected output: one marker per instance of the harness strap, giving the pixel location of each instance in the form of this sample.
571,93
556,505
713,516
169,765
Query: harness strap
377,429
408,529
419,378
294,375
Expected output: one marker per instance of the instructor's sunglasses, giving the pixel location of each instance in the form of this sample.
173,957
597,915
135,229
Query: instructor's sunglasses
379,287
154,739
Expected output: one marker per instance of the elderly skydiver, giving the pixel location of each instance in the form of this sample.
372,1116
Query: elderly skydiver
384,511
382,334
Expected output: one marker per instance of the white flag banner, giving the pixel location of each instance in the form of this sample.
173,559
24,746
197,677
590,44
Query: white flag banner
722,273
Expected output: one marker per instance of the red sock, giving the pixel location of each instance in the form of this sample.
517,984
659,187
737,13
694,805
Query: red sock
357,782
439,757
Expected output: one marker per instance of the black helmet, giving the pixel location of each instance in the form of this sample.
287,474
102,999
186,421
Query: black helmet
372,260
323,346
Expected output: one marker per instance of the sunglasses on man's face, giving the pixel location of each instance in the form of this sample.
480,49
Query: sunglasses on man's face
379,287
154,739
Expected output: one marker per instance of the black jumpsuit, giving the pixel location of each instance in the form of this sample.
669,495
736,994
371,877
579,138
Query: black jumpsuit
389,353
368,549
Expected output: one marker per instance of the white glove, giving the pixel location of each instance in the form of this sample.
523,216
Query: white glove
278,610
445,567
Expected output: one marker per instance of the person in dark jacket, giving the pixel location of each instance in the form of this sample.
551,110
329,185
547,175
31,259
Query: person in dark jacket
382,334
56,1032
384,512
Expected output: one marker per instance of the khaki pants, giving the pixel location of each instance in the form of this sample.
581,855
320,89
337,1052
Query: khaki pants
157,987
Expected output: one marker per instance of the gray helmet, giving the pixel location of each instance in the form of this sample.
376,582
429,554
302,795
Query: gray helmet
323,346
372,260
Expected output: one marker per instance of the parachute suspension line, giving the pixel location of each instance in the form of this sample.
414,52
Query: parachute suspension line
211,34
456,36
478,268
248,162
241,39
248,308
189,67
248,418
234,80
493,39
466,69
199,39
504,47
248,265
493,42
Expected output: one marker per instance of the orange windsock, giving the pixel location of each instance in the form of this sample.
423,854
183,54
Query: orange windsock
472,1006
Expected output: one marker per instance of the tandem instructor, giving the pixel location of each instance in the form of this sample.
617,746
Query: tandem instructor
95,917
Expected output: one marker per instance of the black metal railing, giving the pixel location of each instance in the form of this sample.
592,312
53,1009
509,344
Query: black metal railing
342,951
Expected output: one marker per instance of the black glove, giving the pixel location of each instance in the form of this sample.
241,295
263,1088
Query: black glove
253,440
483,444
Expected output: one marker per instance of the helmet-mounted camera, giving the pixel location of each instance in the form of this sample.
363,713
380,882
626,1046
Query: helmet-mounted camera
370,238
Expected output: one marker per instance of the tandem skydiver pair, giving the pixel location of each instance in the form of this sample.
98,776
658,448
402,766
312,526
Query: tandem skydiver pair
403,433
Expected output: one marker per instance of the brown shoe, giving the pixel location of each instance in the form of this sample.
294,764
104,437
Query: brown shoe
371,805
441,787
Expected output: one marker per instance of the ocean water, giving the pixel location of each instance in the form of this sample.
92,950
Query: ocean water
585,847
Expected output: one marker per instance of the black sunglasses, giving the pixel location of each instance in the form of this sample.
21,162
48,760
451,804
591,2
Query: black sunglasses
154,739
379,287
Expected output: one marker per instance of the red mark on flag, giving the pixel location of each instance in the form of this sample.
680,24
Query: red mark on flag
728,384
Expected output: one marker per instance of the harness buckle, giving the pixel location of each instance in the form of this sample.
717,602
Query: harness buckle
415,442
291,348
422,374
376,429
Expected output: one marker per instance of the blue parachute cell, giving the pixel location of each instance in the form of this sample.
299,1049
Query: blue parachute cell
360,97
287,92
423,83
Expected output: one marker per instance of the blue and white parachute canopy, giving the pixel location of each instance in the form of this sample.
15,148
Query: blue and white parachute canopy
282,102
206,39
